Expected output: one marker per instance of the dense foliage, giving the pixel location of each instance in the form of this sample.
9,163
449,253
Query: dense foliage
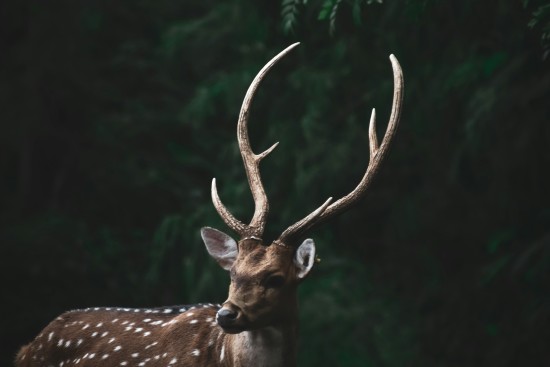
117,114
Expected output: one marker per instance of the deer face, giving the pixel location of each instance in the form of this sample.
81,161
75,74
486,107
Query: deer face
264,279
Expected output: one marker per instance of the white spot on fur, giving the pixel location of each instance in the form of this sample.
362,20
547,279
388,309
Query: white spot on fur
117,348
50,336
135,355
196,352
151,345
193,321
174,360
222,354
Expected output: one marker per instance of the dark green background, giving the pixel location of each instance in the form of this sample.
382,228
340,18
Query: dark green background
115,116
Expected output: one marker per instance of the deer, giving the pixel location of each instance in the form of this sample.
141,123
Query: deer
258,323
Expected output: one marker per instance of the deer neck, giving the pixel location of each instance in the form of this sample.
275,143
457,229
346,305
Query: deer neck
273,346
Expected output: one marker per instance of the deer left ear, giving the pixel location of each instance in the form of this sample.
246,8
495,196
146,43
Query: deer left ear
304,258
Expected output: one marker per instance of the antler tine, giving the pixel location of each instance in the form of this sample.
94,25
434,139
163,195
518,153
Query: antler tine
290,231
227,217
377,154
251,162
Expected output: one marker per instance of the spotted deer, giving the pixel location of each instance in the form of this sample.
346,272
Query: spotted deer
256,325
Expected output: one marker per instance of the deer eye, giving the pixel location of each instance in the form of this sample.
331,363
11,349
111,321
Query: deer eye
274,281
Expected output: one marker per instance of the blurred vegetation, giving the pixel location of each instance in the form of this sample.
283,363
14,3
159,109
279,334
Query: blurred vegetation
117,114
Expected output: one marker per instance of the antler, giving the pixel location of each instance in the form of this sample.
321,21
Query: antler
251,164
377,154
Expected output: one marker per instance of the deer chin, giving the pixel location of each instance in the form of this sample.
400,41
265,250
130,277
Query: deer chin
239,326
233,329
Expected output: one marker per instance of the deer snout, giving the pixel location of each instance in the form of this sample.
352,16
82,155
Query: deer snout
228,316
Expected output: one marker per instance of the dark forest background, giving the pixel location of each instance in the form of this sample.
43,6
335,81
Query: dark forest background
115,116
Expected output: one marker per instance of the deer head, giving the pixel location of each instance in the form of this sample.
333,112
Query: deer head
265,276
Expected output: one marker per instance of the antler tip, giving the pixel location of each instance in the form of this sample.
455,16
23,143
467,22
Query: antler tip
289,48
395,63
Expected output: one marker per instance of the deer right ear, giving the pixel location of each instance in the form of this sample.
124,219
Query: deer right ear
220,246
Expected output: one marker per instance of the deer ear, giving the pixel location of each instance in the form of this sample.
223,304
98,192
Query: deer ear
220,246
304,258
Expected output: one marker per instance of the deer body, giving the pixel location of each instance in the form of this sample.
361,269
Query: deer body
257,324
168,336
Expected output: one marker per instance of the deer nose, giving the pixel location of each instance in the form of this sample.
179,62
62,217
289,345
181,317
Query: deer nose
226,316
227,313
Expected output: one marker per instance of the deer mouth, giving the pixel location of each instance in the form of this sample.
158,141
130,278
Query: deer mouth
232,329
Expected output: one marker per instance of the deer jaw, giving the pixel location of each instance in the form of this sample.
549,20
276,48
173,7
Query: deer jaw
264,280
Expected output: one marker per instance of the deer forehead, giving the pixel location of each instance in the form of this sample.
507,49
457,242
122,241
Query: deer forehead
258,260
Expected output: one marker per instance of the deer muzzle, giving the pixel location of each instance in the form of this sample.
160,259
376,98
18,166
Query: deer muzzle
230,318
